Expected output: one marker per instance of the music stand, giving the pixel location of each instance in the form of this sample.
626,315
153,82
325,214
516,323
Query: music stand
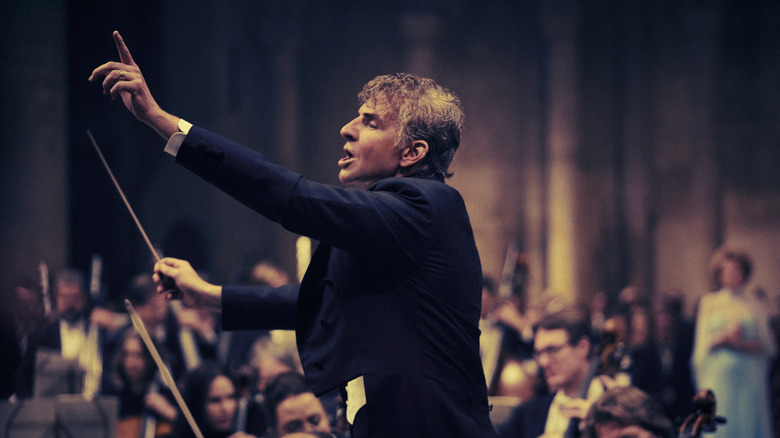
78,417
55,375
30,418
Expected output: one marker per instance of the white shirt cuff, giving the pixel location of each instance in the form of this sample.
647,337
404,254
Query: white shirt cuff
174,143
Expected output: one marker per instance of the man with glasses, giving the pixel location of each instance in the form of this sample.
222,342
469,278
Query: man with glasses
562,346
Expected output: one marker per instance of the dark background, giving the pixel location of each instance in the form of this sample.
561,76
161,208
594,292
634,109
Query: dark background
667,111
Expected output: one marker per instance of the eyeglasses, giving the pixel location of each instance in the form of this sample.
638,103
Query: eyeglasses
552,350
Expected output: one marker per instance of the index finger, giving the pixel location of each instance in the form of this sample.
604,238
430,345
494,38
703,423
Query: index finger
121,47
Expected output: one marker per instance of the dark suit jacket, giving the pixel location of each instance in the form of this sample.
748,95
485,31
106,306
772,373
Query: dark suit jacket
394,287
46,338
528,419
48,334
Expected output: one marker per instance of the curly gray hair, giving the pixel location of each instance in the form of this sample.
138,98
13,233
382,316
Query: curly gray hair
422,110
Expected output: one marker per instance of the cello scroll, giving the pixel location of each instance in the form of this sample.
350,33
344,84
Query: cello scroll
703,418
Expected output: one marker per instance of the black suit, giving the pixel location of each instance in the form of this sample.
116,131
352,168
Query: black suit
47,338
528,420
392,293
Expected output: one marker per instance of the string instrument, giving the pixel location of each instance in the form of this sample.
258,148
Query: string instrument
245,379
150,426
136,320
242,412
606,359
164,372
187,342
503,374
91,357
43,271
612,348
146,425
703,418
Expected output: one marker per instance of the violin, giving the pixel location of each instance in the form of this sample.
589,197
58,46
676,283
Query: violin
43,271
703,418
187,342
607,359
92,355
612,348
145,425
505,374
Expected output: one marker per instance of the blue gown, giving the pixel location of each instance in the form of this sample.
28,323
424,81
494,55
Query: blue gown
739,379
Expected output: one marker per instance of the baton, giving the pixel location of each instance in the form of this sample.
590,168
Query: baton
167,282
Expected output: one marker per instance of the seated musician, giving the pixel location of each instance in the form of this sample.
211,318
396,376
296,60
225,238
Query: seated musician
293,408
210,395
627,412
562,348
143,402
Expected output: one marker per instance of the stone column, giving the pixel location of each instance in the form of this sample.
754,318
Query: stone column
686,182
564,267
33,122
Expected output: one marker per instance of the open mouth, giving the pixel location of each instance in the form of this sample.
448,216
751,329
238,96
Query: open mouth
346,160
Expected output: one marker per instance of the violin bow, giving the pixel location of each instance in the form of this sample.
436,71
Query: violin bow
164,372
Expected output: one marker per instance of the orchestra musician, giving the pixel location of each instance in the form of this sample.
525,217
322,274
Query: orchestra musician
562,348
20,319
210,395
142,404
627,412
507,323
66,330
166,326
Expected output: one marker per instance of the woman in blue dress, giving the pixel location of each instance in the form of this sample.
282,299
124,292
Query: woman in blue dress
733,348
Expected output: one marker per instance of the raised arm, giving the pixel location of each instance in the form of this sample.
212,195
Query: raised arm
124,79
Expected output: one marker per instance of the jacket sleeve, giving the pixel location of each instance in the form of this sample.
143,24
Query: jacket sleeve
259,307
390,218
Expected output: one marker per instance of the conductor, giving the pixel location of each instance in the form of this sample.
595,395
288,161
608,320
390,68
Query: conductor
388,310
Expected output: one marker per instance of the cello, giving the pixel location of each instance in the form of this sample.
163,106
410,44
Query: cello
507,374
703,418
145,423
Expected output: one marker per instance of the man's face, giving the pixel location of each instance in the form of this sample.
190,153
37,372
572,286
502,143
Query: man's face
562,364
614,430
71,300
154,311
301,413
370,148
